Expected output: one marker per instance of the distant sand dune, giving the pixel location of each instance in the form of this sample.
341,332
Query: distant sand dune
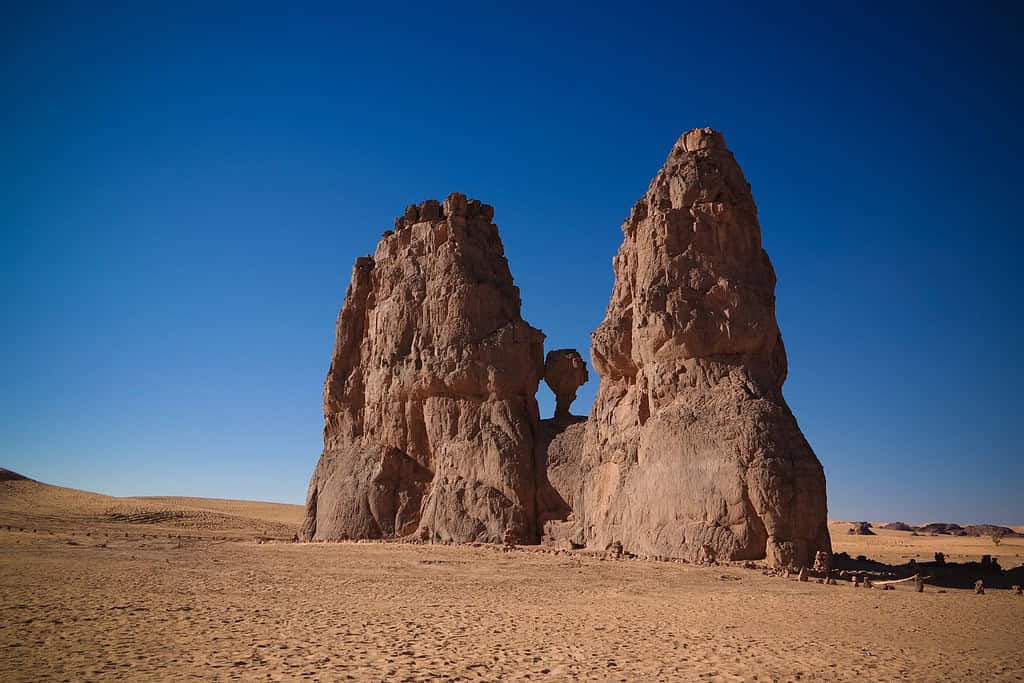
28,503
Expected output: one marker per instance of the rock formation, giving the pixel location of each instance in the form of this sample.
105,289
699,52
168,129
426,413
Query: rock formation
565,372
690,450
559,445
429,402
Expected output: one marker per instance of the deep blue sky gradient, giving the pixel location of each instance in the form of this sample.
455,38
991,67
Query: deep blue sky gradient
185,188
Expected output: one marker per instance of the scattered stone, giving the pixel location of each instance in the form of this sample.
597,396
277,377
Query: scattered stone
989,563
508,539
823,562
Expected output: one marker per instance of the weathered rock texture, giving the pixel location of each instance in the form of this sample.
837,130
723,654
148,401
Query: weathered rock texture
431,426
429,408
690,450
564,372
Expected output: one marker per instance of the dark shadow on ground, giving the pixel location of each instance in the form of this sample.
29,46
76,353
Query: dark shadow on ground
937,573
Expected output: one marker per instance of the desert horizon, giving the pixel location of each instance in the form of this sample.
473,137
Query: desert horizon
99,587
293,512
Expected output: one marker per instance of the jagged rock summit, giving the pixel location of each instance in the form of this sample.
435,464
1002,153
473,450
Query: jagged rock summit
431,428
690,449
429,403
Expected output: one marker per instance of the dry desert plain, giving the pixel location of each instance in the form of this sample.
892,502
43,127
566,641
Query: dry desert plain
97,588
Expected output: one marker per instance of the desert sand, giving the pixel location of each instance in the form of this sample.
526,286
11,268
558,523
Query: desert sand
93,587
898,547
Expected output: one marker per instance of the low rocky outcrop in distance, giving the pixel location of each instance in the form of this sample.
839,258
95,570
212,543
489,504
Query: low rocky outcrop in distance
989,530
950,529
940,528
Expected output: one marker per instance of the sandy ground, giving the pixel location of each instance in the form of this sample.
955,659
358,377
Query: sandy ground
33,505
105,606
898,547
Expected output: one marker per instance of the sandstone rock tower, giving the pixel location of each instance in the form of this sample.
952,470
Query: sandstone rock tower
429,408
690,450
431,427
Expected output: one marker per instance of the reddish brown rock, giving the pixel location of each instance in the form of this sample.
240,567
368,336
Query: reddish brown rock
564,372
690,448
429,408
561,478
431,426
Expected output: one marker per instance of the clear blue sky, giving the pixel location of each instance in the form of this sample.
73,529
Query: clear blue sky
184,190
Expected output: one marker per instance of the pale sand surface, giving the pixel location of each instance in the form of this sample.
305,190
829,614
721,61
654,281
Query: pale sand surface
31,504
159,608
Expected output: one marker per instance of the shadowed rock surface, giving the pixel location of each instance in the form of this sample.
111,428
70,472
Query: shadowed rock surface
690,450
429,403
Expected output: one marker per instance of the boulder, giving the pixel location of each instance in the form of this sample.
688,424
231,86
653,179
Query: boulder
565,371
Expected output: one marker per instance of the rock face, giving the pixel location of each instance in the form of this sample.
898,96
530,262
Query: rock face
690,450
429,403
